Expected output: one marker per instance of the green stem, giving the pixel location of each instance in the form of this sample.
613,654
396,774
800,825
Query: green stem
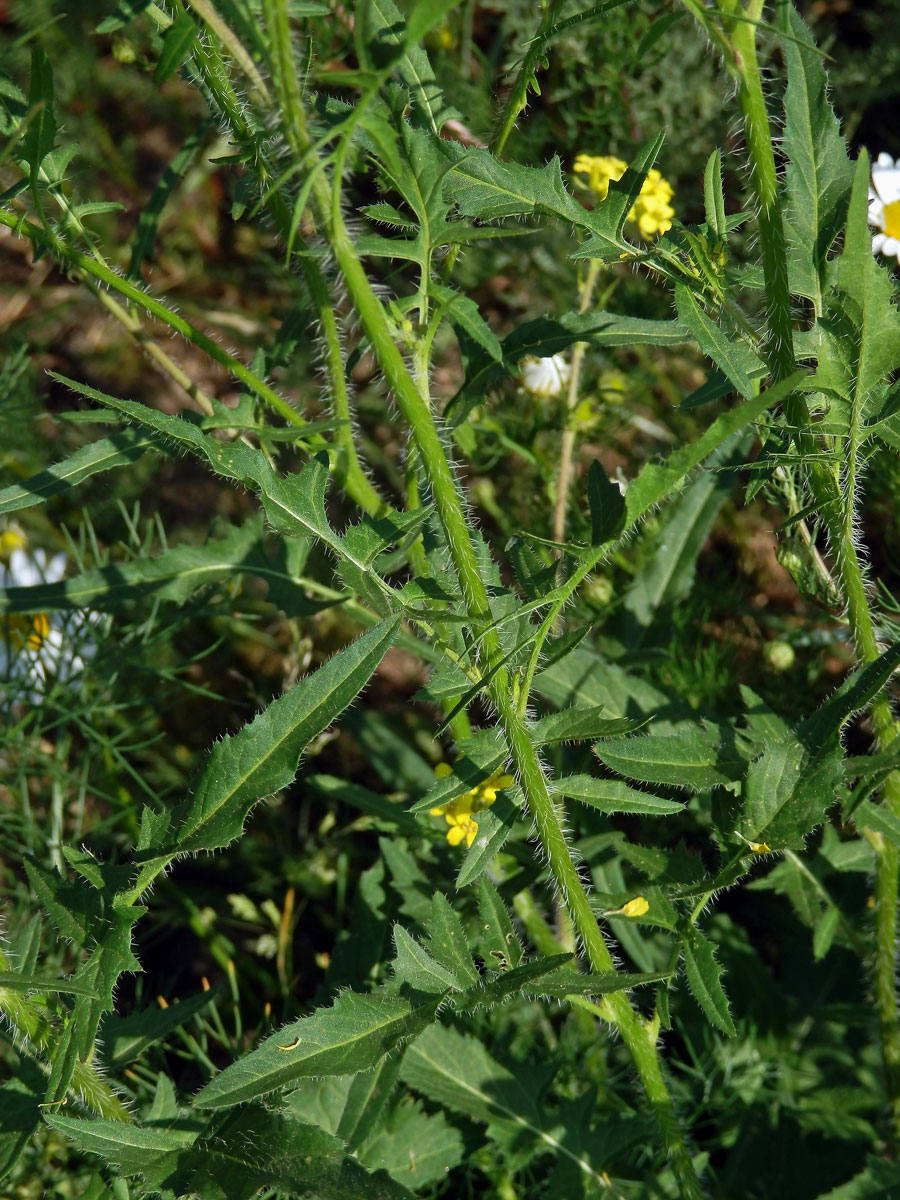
779,348
567,448
887,861
39,1037
547,817
517,98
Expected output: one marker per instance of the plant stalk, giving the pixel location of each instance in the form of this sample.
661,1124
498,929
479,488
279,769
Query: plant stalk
741,58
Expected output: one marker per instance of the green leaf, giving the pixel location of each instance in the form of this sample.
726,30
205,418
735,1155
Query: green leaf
701,757
73,907
366,1102
732,356
704,976
447,942
383,30
869,287
41,132
177,43
464,313
483,186
581,724
263,756
499,945
353,1035
124,447
658,480
607,221
567,981
819,174
668,574
879,818
416,1148
294,504
413,965
131,1148
787,793
126,1038
613,796
477,758
607,505
173,575
857,691
127,11
713,196
234,1157
495,824
456,1072
510,983
44,984
148,222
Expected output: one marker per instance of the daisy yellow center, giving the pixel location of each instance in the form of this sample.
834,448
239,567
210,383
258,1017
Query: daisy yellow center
892,219
19,631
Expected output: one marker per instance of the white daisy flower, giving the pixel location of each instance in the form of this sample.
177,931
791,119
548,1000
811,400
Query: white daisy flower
884,206
544,376
37,649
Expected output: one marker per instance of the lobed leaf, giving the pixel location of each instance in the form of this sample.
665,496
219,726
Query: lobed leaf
613,796
103,455
354,1034
819,174
704,976
701,757
263,756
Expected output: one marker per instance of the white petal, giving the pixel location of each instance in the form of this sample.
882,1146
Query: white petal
878,242
891,247
56,568
886,182
22,570
884,160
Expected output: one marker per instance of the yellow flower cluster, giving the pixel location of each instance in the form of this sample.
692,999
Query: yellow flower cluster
651,212
459,813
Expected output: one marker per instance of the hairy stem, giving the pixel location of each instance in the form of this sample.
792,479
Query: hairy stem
826,491
567,448
547,817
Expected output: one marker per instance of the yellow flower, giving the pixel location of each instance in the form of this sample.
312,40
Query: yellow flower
651,212
459,812
634,908
760,847
599,170
10,539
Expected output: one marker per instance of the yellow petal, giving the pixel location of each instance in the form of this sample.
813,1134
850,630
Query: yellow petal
635,908
455,835
442,770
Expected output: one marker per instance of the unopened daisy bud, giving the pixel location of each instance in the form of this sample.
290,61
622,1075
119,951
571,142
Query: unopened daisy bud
544,376
779,655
